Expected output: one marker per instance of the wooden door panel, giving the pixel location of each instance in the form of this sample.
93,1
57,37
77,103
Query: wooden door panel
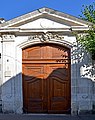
59,96
60,52
34,88
33,70
34,52
59,88
35,98
61,71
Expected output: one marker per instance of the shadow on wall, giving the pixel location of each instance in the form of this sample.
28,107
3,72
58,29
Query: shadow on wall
11,94
83,70
83,59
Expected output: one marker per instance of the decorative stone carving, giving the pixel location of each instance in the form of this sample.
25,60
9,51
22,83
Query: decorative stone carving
45,37
8,37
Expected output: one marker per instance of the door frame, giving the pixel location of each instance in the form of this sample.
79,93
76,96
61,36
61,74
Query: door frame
74,70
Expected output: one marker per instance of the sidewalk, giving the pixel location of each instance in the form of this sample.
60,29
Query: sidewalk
45,117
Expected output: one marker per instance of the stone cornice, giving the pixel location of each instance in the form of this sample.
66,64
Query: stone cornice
44,11
21,30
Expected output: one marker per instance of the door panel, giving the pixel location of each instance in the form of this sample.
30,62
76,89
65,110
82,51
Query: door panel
33,81
36,52
46,79
59,88
59,100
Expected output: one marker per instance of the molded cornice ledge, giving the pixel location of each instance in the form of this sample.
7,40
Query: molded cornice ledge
9,30
21,30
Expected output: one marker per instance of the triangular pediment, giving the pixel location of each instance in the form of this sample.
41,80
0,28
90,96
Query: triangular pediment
44,18
44,23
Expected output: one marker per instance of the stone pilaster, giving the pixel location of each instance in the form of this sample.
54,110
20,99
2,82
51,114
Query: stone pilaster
0,74
74,84
8,72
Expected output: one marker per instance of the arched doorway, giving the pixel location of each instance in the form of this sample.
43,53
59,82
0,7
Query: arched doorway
46,79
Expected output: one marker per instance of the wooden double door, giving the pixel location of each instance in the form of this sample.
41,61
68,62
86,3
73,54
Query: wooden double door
46,79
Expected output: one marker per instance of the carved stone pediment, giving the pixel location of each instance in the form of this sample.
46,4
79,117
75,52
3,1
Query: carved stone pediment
45,37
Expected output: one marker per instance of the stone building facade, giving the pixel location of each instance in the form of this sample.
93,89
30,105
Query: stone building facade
44,26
